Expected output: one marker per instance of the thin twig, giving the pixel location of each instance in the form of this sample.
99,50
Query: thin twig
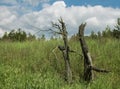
53,51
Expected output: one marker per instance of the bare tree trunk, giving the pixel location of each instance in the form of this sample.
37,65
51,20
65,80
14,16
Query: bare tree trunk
62,31
66,55
88,75
88,66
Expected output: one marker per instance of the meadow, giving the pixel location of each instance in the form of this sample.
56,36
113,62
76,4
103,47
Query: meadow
32,65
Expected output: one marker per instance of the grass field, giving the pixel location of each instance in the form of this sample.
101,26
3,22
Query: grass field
32,65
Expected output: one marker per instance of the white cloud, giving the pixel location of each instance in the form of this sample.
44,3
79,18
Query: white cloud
93,21
8,2
97,17
7,17
45,5
34,2
59,3
1,32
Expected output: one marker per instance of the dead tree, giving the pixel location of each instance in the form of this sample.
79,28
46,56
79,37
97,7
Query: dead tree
65,49
88,66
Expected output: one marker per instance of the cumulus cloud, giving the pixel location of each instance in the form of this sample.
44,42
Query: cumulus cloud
7,18
97,17
35,2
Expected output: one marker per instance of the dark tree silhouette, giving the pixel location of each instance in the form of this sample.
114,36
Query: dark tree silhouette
116,31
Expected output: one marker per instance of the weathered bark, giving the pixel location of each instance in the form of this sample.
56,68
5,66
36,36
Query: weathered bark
99,70
88,66
65,49
88,75
66,54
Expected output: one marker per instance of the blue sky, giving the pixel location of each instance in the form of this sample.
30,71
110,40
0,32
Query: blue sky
38,6
106,3
21,13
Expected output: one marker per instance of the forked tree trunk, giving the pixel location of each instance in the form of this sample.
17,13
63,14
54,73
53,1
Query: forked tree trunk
88,75
88,66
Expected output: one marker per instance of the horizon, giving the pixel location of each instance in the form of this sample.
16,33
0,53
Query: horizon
39,13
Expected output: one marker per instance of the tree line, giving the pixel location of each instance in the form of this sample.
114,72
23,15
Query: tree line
17,35
21,35
107,33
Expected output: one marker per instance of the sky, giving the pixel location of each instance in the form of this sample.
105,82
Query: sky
30,15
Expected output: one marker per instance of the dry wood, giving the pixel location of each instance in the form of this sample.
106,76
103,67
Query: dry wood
88,66
62,30
99,70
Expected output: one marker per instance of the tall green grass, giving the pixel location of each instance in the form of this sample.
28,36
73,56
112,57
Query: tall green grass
32,65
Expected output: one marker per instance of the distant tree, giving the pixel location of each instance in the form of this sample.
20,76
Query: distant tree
11,35
15,35
20,35
53,38
103,34
93,35
31,37
74,37
5,36
43,37
116,31
107,32
99,34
